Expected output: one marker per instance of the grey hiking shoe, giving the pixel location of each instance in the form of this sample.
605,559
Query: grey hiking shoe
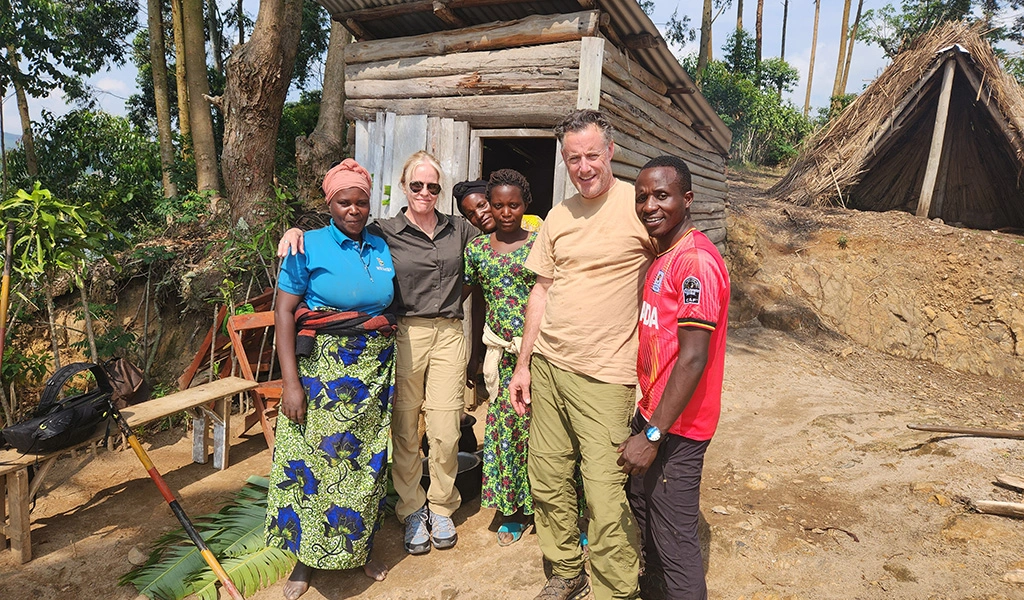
558,588
442,531
417,538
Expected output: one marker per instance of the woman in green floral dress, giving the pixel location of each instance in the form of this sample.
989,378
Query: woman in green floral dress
494,265
329,476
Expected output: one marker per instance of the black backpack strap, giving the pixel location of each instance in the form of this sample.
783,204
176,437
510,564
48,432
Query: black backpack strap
64,374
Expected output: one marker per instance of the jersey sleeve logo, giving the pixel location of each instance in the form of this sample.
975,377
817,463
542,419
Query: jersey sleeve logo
691,290
656,285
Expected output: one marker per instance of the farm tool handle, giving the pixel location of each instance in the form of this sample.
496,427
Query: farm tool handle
1012,434
165,491
5,287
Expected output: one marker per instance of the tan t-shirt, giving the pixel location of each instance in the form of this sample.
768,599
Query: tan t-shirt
596,253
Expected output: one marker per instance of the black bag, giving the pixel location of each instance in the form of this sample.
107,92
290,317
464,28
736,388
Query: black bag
57,424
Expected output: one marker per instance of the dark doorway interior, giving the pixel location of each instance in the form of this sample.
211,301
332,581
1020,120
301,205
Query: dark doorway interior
533,157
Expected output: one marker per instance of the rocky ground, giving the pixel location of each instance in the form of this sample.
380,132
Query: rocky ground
814,488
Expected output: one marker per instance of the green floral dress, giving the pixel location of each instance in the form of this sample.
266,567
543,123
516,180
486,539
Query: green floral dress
506,285
329,477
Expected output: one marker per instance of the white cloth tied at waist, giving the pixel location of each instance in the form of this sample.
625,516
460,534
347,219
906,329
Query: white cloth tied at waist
492,358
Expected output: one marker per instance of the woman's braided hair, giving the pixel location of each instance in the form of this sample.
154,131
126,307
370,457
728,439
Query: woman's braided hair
512,178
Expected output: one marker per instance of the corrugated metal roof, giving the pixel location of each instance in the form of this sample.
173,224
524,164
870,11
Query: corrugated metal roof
627,18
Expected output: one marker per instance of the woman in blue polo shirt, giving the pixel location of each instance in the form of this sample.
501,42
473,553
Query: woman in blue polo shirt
336,348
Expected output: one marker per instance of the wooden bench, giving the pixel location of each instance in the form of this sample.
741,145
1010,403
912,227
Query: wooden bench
209,426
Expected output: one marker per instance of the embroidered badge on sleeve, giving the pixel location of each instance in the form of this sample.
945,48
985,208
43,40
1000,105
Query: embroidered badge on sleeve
691,290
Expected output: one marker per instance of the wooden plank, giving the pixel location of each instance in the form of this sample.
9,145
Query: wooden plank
391,188
1011,481
669,117
629,73
460,153
530,31
1003,509
625,172
466,84
591,65
362,147
151,410
439,143
376,133
938,135
563,187
542,109
410,137
709,166
545,58
476,155
19,529
630,118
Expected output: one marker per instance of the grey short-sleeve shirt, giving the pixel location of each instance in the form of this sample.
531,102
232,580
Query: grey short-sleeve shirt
428,272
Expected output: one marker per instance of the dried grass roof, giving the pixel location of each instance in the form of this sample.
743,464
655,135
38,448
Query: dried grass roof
836,157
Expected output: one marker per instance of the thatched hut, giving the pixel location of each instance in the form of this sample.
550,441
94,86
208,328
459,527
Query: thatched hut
938,134
480,83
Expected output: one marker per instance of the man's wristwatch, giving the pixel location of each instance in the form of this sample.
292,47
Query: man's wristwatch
652,433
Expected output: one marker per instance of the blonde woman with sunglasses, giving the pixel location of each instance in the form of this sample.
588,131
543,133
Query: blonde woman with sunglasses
427,248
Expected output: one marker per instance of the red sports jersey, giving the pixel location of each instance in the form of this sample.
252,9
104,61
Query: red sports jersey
687,286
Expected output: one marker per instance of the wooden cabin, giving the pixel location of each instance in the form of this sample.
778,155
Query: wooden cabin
480,83
938,134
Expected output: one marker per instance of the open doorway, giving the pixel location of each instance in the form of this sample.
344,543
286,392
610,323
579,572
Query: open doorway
534,157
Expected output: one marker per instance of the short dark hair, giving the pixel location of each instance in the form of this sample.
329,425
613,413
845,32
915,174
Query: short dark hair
580,119
673,162
513,178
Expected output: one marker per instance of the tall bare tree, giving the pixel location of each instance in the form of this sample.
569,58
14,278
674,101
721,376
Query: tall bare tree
315,154
849,48
785,20
27,140
258,75
203,145
757,31
704,53
837,85
215,30
158,60
814,48
184,125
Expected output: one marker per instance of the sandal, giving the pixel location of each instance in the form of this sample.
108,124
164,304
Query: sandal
513,528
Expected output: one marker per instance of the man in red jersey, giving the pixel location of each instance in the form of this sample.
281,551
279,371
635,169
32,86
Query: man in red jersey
683,323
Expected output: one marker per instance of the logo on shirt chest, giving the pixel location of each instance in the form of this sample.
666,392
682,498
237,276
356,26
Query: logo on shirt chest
656,285
649,315
381,266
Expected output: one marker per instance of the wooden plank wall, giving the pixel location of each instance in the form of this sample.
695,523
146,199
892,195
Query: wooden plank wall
649,125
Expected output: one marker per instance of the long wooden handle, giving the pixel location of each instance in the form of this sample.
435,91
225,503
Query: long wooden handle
1013,434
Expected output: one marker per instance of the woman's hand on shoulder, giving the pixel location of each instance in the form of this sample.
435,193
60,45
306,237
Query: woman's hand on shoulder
291,243
293,402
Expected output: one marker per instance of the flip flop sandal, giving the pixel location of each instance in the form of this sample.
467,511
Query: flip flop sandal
514,529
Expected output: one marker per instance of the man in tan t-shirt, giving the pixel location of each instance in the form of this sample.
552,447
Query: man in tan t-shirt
578,359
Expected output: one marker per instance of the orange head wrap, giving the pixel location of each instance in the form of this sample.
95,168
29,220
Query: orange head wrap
346,174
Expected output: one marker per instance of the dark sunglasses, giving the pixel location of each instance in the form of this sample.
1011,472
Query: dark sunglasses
433,188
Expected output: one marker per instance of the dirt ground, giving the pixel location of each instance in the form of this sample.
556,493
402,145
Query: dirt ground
814,488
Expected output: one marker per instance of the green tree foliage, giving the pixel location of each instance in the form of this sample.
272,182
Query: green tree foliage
892,29
765,128
141,106
313,39
57,44
93,158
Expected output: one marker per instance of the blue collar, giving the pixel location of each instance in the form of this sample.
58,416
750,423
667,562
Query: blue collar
342,239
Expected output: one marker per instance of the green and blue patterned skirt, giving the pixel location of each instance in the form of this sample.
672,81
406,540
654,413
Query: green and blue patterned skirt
329,477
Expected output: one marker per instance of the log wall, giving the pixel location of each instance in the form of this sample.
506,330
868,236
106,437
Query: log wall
525,74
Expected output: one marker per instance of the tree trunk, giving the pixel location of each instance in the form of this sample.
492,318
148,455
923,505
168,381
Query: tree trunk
757,33
90,334
785,20
315,154
849,48
814,48
837,86
184,123
51,320
198,106
31,163
241,25
157,59
705,41
258,75
216,29
739,14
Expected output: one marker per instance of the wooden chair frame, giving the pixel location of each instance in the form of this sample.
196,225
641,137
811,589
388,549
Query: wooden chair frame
266,396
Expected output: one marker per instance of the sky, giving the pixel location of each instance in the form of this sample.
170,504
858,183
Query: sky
114,86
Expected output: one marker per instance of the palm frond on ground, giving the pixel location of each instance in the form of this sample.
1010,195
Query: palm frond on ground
234,534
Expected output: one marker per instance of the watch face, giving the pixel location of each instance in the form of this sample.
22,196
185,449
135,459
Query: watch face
653,433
